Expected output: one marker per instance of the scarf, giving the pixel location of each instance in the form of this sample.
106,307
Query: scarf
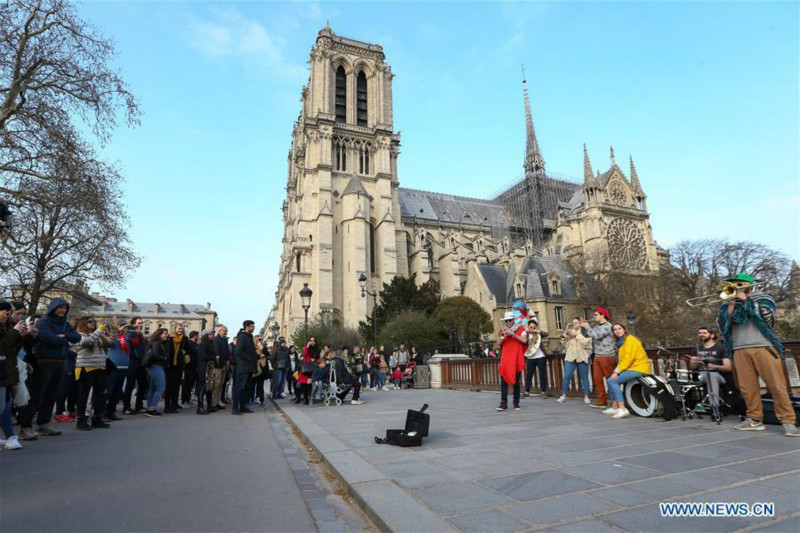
743,312
176,344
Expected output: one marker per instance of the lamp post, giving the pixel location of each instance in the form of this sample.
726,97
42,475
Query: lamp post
305,299
362,279
631,322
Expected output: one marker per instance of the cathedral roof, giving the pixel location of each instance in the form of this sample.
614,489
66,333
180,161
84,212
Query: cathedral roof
440,207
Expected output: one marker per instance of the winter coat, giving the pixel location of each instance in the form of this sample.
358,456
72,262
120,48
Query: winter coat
205,355
10,344
160,353
603,338
245,353
632,356
577,348
49,345
222,349
279,359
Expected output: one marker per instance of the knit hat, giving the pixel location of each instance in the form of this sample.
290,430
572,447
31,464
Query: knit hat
5,306
603,311
746,278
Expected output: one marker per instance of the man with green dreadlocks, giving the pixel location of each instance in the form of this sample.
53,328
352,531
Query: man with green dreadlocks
746,322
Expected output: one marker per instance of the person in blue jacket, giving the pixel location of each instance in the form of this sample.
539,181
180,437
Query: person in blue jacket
51,350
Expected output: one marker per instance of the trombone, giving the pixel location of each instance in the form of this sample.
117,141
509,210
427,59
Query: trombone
726,292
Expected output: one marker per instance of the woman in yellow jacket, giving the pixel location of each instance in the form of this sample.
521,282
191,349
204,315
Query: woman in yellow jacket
632,363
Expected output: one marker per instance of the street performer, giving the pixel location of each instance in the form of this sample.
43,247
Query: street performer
746,323
715,358
513,340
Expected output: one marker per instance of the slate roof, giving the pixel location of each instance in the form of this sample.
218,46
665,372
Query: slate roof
535,271
355,186
495,278
441,207
148,310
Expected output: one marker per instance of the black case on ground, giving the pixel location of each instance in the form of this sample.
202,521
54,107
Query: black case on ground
417,422
769,409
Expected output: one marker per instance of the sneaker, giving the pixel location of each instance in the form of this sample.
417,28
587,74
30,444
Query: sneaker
610,411
151,414
622,413
112,417
503,406
356,402
13,443
562,399
750,425
128,412
98,423
385,388
46,431
789,430
283,396
27,434
586,400
526,394
598,405
63,418
83,425
516,406
544,395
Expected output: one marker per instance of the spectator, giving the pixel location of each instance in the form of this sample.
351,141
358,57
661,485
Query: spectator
52,349
383,369
318,379
223,353
246,359
116,370
179,356
155,360
345,378
90,366
190,369
11,342
137,373
402,357
303,386
279,359
294,365
206,366
577,350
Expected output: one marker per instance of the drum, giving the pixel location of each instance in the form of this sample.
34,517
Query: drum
650,396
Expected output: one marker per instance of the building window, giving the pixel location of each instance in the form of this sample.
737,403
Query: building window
559,318
147,328
341,95
361,99
297,262
339,155
372,248
554,288
363,159
519,290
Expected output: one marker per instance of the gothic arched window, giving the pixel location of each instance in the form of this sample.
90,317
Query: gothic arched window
341,95
361,99
372,248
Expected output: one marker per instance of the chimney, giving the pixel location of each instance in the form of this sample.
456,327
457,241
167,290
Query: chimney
158,308
208,306
183,309
129,302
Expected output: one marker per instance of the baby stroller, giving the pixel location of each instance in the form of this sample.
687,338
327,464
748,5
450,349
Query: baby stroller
408,376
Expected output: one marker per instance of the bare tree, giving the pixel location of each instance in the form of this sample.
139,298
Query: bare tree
54,68
79,234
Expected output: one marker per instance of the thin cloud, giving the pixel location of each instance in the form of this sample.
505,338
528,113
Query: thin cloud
227,33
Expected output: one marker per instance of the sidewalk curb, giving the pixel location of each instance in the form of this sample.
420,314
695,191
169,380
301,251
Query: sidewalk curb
390,507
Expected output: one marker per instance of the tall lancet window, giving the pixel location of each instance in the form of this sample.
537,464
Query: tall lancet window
341,95
361,99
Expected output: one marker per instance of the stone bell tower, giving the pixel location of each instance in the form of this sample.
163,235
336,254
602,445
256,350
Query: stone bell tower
341,213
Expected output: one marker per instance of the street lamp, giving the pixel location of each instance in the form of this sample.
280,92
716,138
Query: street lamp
305,299
631,322
362,279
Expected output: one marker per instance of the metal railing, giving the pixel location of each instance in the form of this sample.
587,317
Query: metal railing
482,374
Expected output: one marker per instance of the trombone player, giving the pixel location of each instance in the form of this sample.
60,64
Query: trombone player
746,320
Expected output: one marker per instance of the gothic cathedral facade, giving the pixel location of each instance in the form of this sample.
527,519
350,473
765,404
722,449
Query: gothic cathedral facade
346,216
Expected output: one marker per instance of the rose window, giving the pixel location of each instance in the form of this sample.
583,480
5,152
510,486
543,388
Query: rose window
618,194
627,246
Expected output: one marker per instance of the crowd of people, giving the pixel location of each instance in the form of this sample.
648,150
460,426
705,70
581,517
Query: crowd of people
748,351
54,370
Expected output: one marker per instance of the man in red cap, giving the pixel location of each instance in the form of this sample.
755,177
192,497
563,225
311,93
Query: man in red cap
604,360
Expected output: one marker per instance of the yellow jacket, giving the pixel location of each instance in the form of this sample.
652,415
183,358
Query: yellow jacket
633,357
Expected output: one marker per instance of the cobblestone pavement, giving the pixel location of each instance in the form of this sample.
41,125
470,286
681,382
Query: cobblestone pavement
549,466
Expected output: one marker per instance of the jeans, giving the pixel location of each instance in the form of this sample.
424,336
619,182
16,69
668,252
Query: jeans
5,411
713,380
94,381
569,371
614,387
316,388
530,365
156,386
240,382
278,382
136,376
68,395
373,377
504,389
363,379
47,386
114,380
381,379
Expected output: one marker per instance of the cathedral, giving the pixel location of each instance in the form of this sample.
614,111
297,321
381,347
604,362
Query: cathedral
346,216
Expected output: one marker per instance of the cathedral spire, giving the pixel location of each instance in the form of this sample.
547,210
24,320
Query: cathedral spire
533,157
635,177
588,177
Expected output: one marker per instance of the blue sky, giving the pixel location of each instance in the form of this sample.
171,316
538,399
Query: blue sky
704,95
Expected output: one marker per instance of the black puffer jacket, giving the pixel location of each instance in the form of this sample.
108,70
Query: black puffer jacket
10,344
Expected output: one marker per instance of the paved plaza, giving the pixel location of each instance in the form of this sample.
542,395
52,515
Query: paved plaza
548,467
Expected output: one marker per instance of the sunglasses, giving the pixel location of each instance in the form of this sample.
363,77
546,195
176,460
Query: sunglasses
91,321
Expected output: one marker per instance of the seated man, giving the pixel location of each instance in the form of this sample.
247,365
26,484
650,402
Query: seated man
346,379
716,360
